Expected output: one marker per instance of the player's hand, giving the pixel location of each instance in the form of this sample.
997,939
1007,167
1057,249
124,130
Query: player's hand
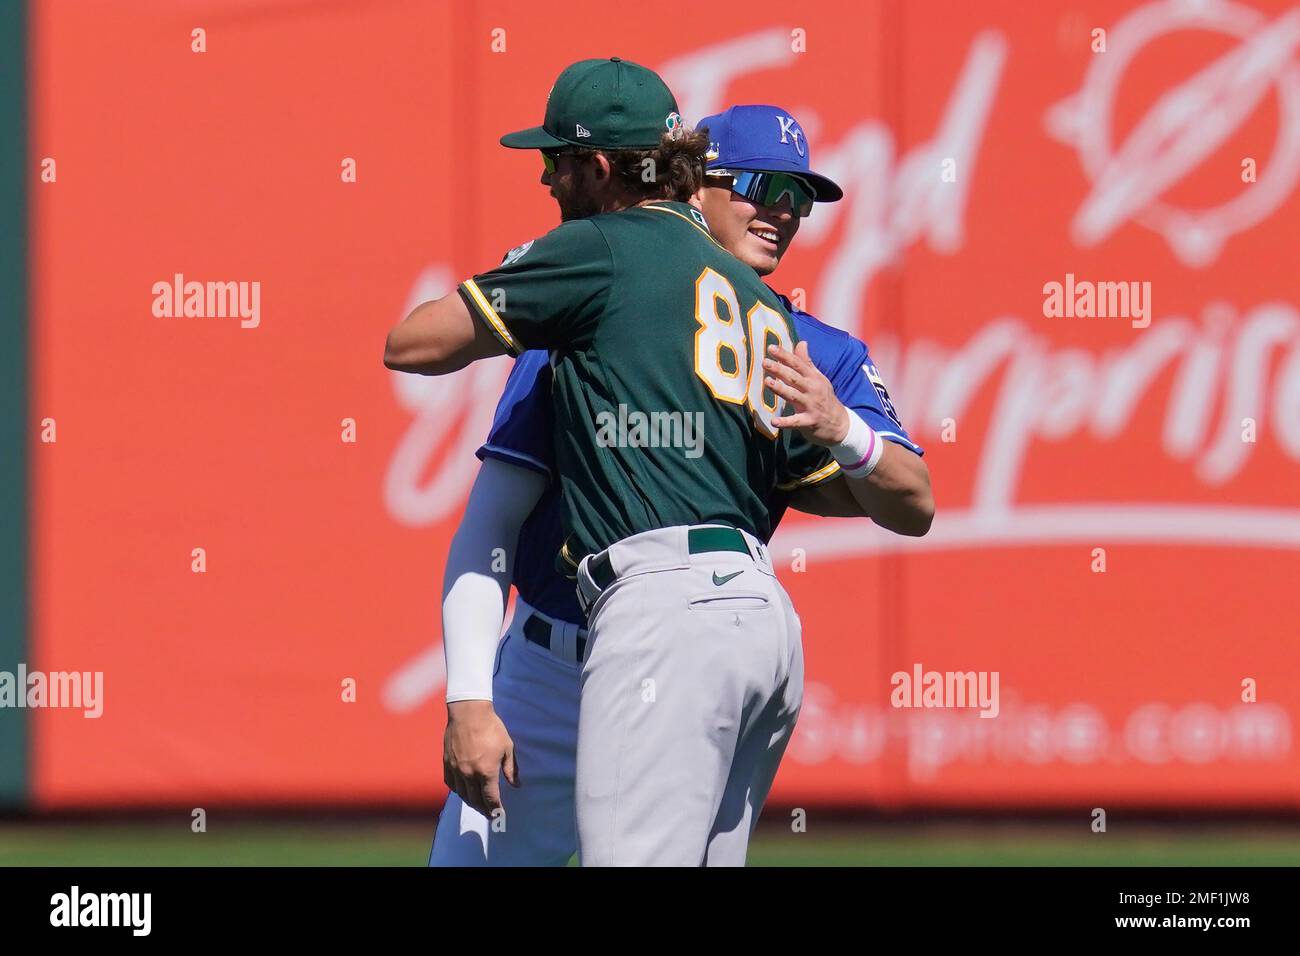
813,407
476,750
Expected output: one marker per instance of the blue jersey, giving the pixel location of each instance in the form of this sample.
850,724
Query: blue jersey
522,434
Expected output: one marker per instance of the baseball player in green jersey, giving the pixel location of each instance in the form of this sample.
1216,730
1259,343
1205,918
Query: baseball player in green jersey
667,450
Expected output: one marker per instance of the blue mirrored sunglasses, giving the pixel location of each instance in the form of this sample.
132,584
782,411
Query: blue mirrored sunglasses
766,189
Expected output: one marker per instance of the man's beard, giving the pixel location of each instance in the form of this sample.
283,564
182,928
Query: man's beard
577,202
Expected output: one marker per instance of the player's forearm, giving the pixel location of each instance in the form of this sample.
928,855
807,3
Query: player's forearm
473,609
476,583
896,495
437,338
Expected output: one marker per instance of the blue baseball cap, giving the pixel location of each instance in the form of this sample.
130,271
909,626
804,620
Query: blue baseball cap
763,139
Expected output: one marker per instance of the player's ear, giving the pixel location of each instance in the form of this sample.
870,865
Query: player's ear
601,167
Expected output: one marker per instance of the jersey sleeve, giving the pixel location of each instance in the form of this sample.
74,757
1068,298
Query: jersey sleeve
858,384
523,426
805,464
548,293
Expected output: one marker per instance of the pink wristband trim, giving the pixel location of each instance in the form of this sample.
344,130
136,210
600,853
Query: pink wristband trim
870,450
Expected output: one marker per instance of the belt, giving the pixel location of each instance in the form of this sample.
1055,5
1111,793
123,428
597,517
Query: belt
538,631
698,541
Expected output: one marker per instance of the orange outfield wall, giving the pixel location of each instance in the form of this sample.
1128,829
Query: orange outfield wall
985,150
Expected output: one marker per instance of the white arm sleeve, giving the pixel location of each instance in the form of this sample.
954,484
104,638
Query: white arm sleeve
480,563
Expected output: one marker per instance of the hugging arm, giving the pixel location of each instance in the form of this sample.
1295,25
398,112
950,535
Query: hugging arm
439,337
476,584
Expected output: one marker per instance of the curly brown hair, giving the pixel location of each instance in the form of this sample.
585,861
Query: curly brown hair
672,170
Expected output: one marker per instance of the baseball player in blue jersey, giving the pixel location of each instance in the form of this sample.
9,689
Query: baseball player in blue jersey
515,712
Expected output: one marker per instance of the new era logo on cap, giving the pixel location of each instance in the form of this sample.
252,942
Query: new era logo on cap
583,132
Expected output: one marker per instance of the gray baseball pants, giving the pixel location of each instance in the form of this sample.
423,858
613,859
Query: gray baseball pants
689,694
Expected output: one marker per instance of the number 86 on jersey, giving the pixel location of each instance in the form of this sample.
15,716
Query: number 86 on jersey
724,355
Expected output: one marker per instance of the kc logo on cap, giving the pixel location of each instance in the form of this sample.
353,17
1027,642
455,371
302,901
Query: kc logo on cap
791,128
741,138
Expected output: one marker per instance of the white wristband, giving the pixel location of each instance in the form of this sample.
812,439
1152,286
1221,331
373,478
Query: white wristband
861,449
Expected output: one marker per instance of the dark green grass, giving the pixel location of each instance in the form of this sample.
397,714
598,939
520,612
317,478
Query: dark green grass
371,842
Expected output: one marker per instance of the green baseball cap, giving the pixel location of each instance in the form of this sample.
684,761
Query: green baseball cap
603,104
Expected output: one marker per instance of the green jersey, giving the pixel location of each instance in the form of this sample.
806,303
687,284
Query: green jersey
656,335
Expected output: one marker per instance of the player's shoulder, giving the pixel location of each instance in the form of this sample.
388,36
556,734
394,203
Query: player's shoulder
823,337
575,235
664,212
668,224
808,323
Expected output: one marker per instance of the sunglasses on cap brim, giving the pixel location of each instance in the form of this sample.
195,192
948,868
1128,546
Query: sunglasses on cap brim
767,189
